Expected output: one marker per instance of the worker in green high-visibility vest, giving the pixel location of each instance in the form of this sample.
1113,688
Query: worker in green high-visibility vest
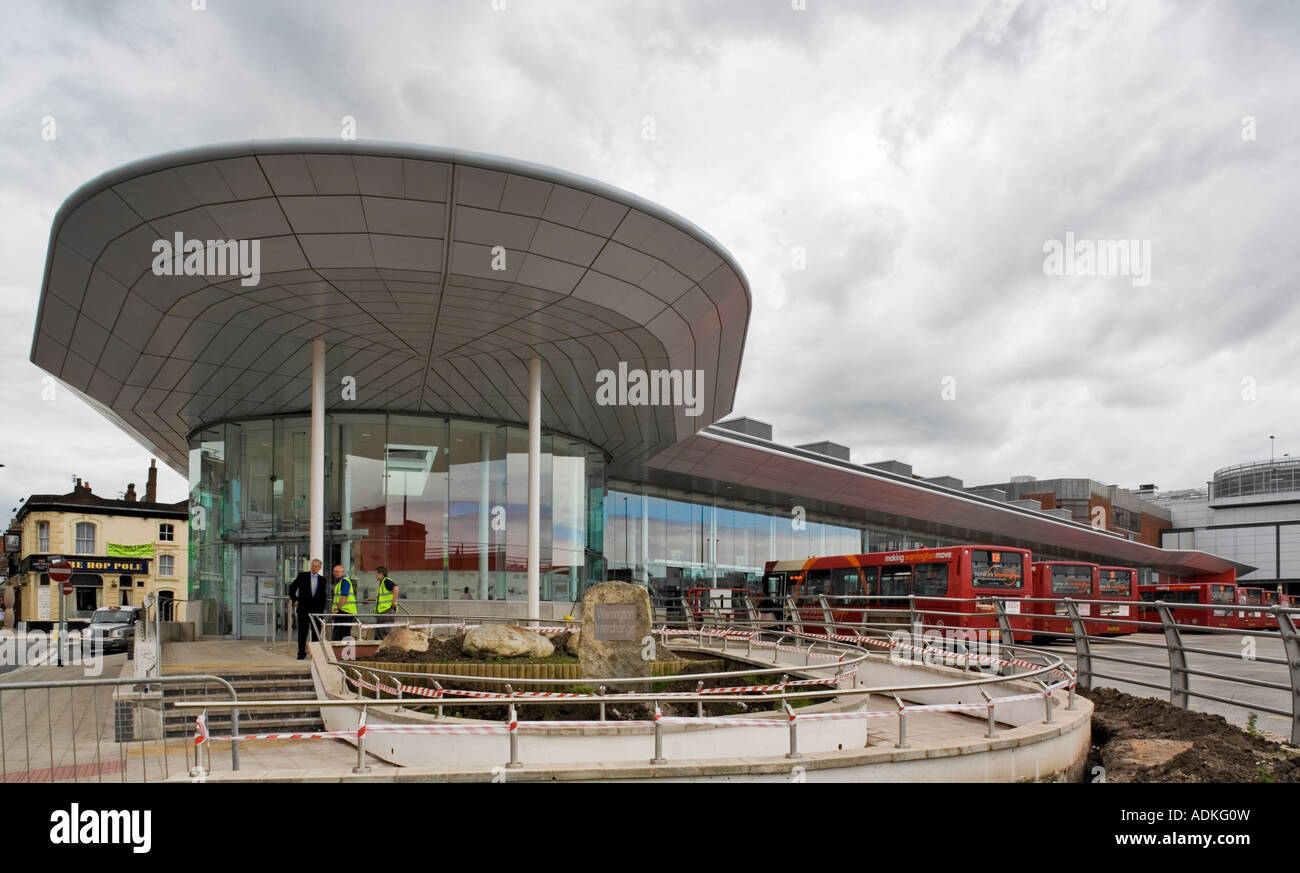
345,604
385,601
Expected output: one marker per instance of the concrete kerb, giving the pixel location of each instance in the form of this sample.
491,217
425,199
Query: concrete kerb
931,762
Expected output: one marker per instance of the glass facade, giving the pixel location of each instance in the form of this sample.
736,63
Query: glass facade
1261,477
672,541
441,503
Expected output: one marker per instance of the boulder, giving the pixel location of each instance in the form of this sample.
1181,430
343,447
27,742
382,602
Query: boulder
404,639
614,641
572,645
505,641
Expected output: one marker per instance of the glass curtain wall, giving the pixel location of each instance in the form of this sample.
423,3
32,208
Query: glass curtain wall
441,503
673,541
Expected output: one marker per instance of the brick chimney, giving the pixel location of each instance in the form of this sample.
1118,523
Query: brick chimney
151,487
81,488
130,492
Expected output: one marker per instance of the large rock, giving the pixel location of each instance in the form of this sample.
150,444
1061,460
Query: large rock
504,641
572,645
403,639
614,641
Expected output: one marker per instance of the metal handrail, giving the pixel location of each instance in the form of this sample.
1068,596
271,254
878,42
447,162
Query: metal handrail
856,695
852,656
234,704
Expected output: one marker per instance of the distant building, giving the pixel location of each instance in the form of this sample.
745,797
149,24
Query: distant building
121,550
1248,513
1089,502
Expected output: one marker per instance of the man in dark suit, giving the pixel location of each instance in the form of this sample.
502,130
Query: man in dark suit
308,593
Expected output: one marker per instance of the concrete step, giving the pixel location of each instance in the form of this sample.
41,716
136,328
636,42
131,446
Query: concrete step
278,719
288,687
267,694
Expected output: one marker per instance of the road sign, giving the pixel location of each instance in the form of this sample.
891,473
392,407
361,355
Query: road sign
60,573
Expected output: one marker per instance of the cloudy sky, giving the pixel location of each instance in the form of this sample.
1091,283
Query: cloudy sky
888,175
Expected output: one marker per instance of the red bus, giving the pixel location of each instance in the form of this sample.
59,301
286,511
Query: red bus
1056,580
875,586
1250,619
1182,591
1292,601
1118,586
1270,620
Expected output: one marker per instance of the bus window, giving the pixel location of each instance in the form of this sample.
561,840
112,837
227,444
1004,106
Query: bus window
931,579
1071,581
774,586
817,582
871,581
846,582
1171,596
990,569
1116,583
895,582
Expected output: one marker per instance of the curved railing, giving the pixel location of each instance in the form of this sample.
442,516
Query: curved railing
831,680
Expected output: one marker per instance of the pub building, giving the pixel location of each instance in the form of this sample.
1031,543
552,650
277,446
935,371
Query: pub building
120,550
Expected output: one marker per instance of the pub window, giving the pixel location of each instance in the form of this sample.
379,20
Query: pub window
166,533
42,536
166,565
85,538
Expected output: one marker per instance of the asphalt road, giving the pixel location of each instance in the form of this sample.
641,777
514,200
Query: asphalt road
17,651
1231,663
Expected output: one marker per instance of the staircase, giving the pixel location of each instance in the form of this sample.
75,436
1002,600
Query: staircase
249,685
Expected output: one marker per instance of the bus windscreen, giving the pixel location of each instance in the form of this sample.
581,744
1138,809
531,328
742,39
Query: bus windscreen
1116,583
1222,594
1071,580
990,569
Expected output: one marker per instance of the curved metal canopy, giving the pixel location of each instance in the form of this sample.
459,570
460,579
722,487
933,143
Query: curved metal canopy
433,275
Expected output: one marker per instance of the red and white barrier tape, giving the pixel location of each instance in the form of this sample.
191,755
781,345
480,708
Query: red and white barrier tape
362,729
202,735
593,698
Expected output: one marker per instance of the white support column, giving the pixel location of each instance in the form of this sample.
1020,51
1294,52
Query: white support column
534,486
317,498
484,515
345,497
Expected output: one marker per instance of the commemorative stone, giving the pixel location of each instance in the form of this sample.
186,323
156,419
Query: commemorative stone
614,640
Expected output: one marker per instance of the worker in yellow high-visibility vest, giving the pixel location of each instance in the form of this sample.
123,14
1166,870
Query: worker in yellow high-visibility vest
385,601
345,604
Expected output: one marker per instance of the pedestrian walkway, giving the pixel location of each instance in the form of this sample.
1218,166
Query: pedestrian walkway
70,734
213,656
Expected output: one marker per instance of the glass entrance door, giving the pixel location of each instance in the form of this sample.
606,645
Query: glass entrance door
257,583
